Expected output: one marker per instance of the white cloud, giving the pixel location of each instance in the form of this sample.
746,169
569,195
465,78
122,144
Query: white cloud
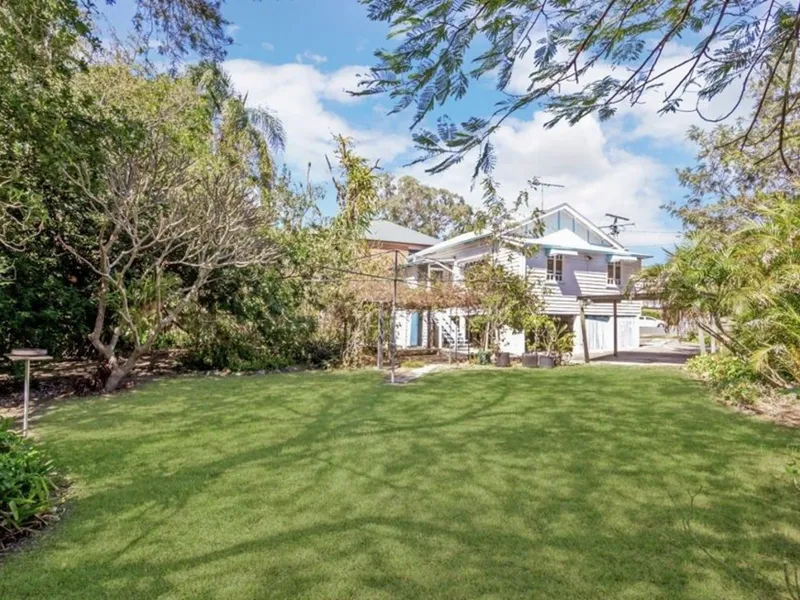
267,46
311,56
343,81
231,29
598,176
297,92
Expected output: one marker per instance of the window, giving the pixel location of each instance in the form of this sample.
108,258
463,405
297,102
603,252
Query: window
614,273
555,268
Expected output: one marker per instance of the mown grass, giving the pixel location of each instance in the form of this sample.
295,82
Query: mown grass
570,483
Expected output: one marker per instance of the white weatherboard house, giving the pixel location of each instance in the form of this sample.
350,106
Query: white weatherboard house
576,264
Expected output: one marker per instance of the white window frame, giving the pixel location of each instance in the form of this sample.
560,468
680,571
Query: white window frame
614,273
555,268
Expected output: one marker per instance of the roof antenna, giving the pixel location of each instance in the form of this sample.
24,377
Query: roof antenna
615,227
536,182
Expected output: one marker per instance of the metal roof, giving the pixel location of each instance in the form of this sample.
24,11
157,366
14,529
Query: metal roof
567,239
386,231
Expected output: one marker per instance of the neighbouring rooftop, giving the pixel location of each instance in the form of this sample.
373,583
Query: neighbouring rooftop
386,231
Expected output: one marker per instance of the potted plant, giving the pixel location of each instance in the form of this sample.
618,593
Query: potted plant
557,340
534,324
549,337
565,340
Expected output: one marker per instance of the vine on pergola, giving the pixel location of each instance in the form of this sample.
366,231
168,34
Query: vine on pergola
363,294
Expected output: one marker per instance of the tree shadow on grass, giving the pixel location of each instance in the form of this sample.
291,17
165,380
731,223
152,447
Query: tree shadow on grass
570,483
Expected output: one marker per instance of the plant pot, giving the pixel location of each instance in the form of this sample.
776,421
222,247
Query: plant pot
530,360
546,362
503,359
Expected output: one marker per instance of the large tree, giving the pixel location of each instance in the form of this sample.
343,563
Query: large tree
580,57
44,45
179,196
434,211
728,183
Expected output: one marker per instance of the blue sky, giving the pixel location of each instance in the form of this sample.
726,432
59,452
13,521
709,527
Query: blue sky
298,57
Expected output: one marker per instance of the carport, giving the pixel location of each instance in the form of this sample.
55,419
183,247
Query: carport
614,300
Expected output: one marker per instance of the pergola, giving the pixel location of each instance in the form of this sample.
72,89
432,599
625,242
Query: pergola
379,283
630,294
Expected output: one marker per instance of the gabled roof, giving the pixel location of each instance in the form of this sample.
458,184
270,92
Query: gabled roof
386,231
470,236
568,240
588,224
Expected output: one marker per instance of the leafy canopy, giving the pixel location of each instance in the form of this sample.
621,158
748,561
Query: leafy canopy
433,211
582,57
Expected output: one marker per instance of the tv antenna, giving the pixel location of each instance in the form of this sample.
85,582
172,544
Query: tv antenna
619,224
535,182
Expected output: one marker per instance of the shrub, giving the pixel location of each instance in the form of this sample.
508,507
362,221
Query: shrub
720,369
742,392
321,353
483,357
219,341
731,377
27,485
565,341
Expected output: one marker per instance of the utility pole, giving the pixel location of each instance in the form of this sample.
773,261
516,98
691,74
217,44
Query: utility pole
393,332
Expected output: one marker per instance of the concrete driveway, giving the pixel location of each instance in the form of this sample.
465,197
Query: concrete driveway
653,351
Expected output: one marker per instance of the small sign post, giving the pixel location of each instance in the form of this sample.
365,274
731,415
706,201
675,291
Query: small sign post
27,355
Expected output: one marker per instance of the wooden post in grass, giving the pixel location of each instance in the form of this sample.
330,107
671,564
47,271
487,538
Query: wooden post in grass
430,327
584,337
380,335
393,319
616,353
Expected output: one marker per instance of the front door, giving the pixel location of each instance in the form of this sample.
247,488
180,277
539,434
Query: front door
416,330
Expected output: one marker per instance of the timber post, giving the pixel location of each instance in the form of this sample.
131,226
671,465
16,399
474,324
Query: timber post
616,353
584,337
380,335
393,332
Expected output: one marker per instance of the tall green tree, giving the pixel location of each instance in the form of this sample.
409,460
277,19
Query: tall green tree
507,300
44,45
580,57
729,183
176,199
434,211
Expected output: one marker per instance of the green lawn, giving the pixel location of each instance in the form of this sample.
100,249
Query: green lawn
571,483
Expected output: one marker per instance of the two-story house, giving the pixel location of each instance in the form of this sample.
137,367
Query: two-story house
573,261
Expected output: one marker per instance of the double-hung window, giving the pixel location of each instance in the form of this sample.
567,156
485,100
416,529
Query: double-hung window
555,268
614,273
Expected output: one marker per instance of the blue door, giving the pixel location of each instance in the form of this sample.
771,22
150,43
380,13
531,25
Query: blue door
415,330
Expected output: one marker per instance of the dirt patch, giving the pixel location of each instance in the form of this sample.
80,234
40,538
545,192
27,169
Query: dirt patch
76,377
783,409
